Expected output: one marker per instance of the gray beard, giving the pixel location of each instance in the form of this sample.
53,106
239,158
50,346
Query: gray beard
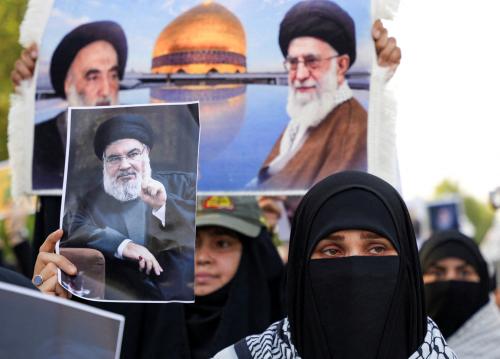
125,191
76,100
311,109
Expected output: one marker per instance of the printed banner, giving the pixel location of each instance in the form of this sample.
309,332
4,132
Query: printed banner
283,88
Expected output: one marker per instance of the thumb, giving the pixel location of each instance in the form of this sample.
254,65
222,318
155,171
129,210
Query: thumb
50,243
33,50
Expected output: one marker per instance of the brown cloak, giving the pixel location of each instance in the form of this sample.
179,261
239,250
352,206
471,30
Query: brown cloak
338,143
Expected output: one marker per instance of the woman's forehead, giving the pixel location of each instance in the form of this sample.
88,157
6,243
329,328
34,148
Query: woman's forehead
352,232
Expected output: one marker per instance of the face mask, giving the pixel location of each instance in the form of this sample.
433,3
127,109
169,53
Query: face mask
352,298
451,303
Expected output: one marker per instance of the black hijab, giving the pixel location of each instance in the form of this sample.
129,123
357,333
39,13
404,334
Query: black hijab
247,305
451,303
336,306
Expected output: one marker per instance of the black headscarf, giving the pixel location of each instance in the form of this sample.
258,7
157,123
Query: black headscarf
247,305
366,287
451,303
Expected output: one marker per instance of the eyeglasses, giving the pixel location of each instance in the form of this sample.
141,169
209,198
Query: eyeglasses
312,62
115,160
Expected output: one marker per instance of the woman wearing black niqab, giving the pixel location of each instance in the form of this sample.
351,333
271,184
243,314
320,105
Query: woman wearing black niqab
367,300
457,294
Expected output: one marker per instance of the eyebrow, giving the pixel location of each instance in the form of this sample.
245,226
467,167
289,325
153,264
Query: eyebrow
370,235
303,56
91,72
114,68
438,267
129,152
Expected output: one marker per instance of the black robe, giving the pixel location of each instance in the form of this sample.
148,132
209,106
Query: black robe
101,222
48,156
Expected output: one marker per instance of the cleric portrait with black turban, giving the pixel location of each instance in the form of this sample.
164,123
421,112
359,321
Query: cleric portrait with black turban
120,216
85,70
327,131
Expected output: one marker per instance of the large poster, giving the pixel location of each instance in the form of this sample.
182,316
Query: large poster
283,86
128,211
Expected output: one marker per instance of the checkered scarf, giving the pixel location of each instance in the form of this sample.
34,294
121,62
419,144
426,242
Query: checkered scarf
276,343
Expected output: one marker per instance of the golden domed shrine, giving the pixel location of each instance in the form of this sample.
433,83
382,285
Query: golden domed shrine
206,38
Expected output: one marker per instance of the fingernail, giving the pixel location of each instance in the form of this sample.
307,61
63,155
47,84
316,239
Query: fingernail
376,33
34,53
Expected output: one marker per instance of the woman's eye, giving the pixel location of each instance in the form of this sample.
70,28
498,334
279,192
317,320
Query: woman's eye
465,274
377,250
330,251
223,244
439,274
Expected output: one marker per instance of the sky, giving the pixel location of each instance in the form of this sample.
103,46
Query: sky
448,95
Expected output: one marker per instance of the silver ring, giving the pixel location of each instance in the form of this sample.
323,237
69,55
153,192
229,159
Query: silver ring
38,280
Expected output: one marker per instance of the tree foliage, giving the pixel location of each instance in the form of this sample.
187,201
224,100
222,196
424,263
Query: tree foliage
11,14
480,214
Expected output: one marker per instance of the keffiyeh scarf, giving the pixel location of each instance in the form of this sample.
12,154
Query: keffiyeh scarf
479,337
276,343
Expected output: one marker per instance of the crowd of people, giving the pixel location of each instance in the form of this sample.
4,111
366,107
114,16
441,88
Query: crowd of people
354,284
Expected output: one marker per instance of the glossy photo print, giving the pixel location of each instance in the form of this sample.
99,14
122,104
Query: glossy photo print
128,211
283,86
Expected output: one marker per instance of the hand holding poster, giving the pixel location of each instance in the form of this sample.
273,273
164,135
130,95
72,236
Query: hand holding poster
129,202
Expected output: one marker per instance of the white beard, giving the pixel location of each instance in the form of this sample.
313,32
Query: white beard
308,110
311,108
76,100
129,190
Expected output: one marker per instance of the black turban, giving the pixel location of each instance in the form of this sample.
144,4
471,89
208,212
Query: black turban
322,19
83,35
121,127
